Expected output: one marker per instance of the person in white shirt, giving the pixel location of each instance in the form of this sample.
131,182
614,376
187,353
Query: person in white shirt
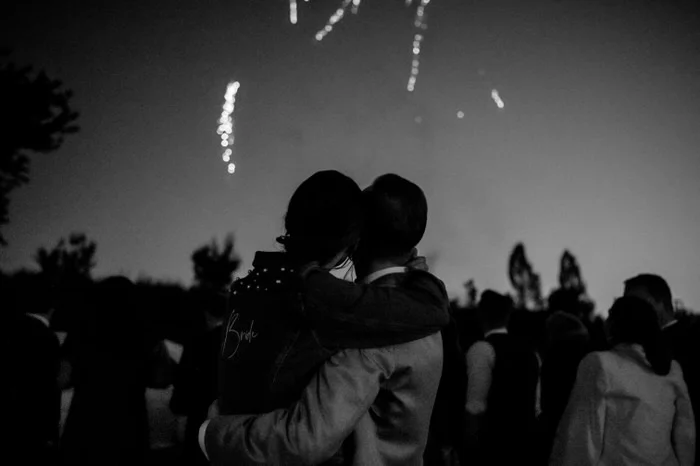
629,405
680,336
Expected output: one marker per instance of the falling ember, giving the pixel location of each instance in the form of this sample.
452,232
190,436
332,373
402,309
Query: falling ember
227,155
496,98
231,168
415,64
419,22
335,18
226,123
293,11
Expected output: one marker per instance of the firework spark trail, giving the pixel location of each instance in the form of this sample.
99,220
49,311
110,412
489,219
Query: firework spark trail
293,11
421,23
415,64
420,20
335,18
497,98
226,124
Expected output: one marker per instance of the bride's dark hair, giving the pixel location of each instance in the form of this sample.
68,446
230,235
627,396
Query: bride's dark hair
633,320
324,217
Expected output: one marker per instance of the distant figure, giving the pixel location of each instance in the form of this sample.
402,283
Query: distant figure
108,423
195,387
31,395
502,376
567,344
678,336
446,432
629,405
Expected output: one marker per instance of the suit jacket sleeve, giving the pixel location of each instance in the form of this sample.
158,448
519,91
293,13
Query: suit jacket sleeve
349,315
579,439
311,430
683,435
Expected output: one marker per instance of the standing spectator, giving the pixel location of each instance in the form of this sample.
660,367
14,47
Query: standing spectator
108,423
567,343
30,377
502,375
685,348
196,386
447,424
629,405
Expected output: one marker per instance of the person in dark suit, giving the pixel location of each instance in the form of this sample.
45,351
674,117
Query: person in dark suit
502,374
676,334
108,421
30,376
196,386
447,422
568,342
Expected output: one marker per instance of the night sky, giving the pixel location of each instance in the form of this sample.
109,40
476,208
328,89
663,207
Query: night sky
596,149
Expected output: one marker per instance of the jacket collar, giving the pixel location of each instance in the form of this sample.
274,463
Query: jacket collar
269,259
632,351
669,324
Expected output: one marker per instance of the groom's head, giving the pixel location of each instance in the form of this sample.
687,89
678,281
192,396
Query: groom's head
396,214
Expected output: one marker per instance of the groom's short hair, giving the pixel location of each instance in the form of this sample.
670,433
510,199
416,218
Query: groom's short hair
396,216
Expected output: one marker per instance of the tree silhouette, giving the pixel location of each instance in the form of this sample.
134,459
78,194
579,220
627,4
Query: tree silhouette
570,274
72,259
528,289
35,116
571,296
214,267
472,294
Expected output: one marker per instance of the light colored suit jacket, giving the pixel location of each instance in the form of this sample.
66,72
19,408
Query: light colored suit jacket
381,397
622,413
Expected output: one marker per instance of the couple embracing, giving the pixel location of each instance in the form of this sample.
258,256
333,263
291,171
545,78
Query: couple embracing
315,369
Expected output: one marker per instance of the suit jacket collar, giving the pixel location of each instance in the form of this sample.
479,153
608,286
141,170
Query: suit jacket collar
669,324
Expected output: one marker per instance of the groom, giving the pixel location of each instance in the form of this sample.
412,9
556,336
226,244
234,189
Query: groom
363,406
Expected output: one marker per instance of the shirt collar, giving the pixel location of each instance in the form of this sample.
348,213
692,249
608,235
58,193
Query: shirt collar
499,330
41,319
376,275
668,324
